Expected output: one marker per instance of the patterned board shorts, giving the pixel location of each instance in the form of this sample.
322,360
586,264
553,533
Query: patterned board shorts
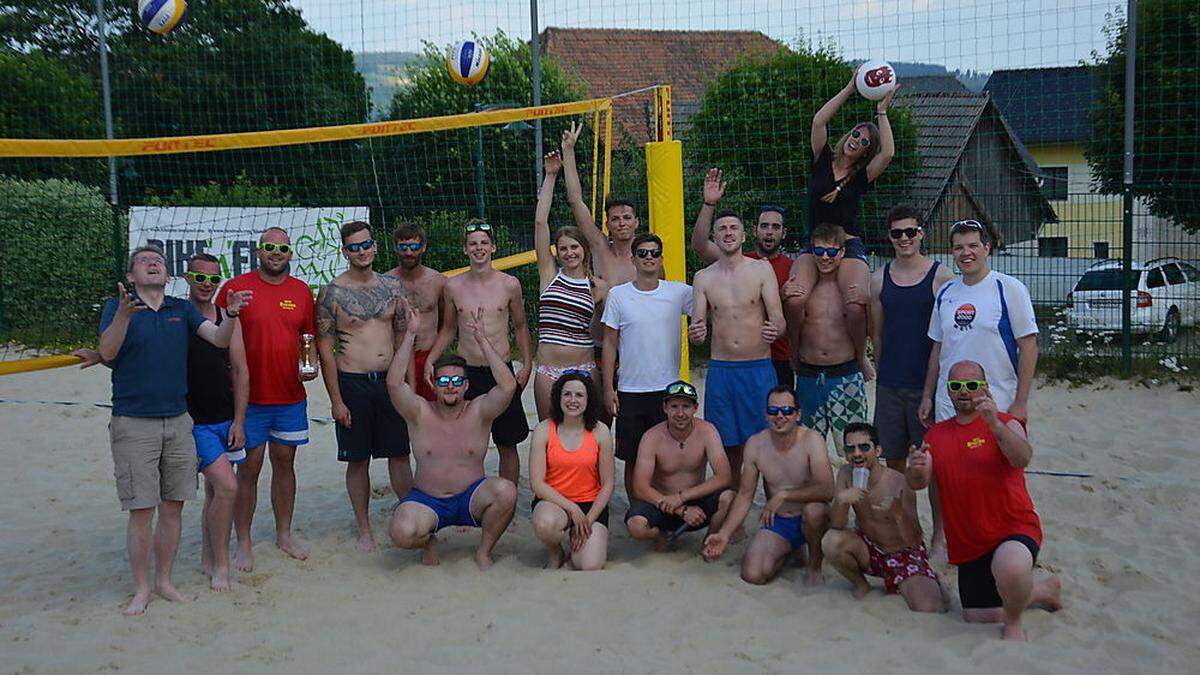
897,566
831,398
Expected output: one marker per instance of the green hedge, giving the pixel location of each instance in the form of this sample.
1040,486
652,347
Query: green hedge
56,253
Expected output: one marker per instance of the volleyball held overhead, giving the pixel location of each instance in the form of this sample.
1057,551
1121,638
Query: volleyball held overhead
875,79
161,16
467,62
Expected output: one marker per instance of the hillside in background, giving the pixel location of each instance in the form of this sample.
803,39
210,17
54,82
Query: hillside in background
383,72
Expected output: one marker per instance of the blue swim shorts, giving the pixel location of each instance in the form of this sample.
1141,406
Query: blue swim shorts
791,528
735,397
286,424
452,510
210,444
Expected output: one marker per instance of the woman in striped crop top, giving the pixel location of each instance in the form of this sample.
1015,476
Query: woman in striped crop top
570,297
572,473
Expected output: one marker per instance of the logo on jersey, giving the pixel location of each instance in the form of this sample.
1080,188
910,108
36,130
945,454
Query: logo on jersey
976,442
964,316
287,304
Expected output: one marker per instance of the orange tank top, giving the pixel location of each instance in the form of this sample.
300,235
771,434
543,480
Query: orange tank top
575,474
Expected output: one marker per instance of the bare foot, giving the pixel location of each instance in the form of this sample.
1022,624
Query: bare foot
291,546
1014,633
558,558
660,544
1048,594
169,592
484,560
366,542
429,554
243,560
219,580
813,578
860,591
137,606
207,566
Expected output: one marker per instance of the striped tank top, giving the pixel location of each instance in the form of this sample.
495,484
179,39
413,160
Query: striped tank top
565,311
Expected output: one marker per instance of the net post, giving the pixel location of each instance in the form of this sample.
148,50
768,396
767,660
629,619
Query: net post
664,178
596,168
1127,191
608,133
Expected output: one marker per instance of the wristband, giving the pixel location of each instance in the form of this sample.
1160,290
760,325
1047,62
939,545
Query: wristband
713,204
231,314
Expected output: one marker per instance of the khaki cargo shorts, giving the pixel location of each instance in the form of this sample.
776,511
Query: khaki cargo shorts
154,460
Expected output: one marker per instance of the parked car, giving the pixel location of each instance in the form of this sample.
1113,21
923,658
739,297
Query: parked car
1164,299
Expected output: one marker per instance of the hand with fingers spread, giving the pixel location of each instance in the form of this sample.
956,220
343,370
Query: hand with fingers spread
571,136
128,302
475,325
90,357
236,302
714,187
792,288
886,101
714,546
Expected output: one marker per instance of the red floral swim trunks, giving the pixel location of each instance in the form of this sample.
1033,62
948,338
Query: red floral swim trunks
897,566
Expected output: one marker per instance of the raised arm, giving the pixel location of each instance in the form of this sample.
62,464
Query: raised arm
446,330
220,336
547,266
495,401
714,189
583,217
919,468
887,143
1010,436
404,398
819,135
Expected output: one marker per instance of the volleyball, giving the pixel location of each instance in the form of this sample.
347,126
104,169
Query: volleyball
161,16
875,79
467,62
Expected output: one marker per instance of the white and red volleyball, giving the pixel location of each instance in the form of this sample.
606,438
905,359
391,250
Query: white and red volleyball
875,79
467,62
161,16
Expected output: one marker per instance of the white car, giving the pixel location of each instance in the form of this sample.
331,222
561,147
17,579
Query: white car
1165,297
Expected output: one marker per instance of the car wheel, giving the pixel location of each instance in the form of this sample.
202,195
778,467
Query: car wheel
1171,325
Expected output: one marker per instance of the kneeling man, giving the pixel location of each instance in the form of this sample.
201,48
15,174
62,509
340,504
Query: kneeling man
798,481
672,494
450,438
887,540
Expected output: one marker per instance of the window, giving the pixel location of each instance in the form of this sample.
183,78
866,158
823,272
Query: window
1174,274
1154,278
1192,274
1100,249
1052,247
1054,182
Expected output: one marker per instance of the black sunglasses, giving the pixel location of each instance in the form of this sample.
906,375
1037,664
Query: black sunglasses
863,139
774,410
864,448
648,253
910,232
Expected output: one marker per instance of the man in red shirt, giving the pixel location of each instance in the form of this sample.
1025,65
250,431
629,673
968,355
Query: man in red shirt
278,410
769,234
978,459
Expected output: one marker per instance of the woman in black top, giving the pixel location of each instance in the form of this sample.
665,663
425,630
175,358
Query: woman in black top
839,178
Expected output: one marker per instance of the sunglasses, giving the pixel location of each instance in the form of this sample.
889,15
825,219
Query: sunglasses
826,251
449,380
774,410
202,278
681,389
478,227
360,246
648,253
864,448
967,225
910,232
577,371
971,385
863,139
415,246
271,247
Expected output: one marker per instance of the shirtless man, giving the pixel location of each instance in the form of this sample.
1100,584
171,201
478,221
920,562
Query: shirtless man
829,382
612,256
360,321
886,540
798,481
747,317
498,295
451,436
423,286
669,481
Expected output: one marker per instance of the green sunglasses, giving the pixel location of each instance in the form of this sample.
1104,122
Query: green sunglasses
971,385
202,278
681,389
271,247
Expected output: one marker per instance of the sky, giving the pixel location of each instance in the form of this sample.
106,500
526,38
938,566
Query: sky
966,34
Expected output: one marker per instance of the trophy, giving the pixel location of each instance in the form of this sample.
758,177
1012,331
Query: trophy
858,477
306,365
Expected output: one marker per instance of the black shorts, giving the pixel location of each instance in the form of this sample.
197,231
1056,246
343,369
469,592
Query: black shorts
855,248
784,373
376,429
977,586
669,523
636,413
897,420
583,506
510,427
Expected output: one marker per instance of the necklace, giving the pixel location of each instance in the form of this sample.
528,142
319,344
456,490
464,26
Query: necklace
685,438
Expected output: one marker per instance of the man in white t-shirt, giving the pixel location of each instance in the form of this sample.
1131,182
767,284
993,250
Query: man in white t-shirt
984,316
641,322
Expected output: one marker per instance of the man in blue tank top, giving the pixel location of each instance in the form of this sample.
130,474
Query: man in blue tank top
902,296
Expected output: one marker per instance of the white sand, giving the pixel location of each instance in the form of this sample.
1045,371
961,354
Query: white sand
1123,542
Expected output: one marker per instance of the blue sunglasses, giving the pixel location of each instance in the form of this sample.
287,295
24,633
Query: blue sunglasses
360,246
826,251
415,246
774,410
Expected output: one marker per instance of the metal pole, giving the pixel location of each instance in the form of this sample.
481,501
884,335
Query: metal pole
479,202
1127,196
102,29
535,47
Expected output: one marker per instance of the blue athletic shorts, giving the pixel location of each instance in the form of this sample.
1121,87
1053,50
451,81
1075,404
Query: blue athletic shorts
735,397
791,528
210,444
286,424
452,510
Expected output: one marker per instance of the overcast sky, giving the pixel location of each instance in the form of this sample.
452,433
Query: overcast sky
978,34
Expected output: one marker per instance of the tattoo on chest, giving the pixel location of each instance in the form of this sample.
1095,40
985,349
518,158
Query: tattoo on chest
364,304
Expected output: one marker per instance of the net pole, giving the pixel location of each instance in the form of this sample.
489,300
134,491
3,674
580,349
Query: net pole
608,131
106,94
664,180
596,166
535,47
1127,191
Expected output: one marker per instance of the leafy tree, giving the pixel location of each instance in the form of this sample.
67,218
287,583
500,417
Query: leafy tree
1166,144
754,124
241,193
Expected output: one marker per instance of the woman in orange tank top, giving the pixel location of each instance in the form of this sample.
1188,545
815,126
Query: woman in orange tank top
571,473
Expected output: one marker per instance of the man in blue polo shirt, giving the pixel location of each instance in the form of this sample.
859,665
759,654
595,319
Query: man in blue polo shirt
144,338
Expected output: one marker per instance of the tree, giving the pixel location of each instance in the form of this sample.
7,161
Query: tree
1166,145
754,123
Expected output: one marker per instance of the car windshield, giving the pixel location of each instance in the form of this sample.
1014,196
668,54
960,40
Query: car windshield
1105,280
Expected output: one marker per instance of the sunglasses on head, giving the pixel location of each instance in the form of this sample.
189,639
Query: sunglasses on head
774,410
826,251
360,246
863,139
648,253
864,448
577,371
967,225
202,278
681,388
910,232
971,385
414,246
478,227
271,247
449,380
